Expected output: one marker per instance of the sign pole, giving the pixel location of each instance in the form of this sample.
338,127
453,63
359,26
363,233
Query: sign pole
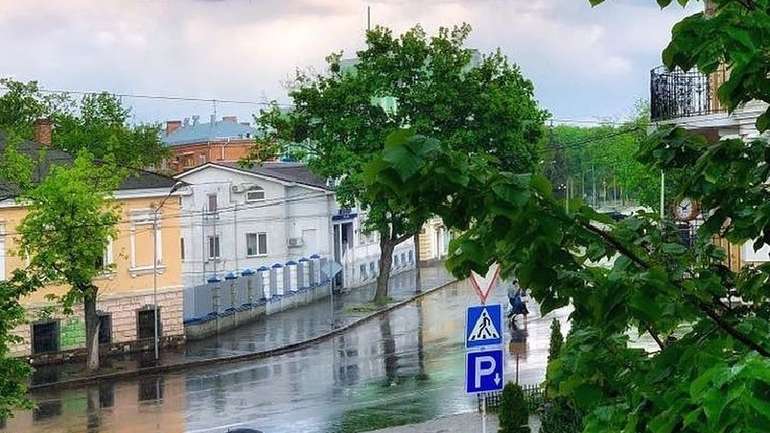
483,413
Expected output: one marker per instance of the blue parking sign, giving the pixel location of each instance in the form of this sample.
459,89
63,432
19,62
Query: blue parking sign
484,325
484,371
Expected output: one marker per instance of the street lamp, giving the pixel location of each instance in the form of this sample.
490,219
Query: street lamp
155,260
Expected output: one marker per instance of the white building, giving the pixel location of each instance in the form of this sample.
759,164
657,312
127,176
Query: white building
237,218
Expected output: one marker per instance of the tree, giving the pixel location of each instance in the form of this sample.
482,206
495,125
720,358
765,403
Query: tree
70,221
23,103
14,372
708,371
513,413
101,125
430,85
557,340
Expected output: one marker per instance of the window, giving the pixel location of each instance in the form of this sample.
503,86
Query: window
411,256
212,203
106,395
362,272
45,337
371,268
214,247
256,244
46,410
106,259
255,194
145,323
395,262
150,390
181,247
143,242
105,328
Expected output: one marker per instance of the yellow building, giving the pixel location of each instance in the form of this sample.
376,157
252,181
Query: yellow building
125,299
434,241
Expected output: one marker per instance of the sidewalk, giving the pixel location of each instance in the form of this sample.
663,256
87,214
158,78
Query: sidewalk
280,333
460,423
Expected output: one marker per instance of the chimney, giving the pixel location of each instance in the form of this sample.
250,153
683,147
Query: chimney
172,125
43,130
233,119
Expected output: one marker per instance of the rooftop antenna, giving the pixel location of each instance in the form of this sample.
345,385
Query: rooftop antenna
368,18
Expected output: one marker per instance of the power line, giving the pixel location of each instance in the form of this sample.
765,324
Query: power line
159,97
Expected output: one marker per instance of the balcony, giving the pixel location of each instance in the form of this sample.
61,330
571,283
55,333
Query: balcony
679,94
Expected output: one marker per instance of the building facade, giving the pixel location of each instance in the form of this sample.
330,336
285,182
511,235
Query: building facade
193,143
434,241
125,299
689,99
238,218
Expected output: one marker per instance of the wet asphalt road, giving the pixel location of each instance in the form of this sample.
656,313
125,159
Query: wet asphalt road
404,367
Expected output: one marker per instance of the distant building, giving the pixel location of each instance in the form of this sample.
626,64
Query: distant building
193,143
690,99
239,218
434,241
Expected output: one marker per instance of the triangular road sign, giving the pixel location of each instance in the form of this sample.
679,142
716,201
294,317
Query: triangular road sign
484,329
484,285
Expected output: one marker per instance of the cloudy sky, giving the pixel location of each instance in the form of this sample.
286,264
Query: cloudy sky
586,63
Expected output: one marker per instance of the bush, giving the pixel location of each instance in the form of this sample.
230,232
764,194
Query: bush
560,416
513,412
556,340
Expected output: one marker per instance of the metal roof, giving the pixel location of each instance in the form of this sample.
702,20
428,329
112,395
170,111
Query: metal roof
203,132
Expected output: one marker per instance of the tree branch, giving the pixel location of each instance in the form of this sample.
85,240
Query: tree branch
702,306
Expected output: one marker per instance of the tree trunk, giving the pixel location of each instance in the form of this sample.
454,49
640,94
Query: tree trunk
386,258
417,272
92,330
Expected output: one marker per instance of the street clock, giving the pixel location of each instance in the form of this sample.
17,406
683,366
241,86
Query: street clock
686,209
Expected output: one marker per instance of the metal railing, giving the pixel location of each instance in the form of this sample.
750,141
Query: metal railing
675,94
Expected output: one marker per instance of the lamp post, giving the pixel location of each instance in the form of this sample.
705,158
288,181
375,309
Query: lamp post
155,261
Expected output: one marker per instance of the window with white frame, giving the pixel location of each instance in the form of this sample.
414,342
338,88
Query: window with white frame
144,243
255,193
106,259
256,244
214,247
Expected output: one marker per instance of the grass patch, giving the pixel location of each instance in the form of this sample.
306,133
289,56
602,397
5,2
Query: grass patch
369,307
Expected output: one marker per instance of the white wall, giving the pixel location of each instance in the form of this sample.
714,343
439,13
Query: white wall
289,211
286,212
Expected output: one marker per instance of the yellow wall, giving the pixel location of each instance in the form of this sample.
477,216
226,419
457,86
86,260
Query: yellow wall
122,279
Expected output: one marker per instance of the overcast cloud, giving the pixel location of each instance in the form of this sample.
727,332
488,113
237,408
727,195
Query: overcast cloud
585,63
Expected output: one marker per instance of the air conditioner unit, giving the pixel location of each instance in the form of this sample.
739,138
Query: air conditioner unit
235,189
295,242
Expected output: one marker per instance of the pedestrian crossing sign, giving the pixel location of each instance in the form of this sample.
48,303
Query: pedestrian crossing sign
484,325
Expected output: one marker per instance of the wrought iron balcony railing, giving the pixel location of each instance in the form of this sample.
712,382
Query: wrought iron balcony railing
675,94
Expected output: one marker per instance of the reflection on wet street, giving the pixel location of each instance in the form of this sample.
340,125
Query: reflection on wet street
406,366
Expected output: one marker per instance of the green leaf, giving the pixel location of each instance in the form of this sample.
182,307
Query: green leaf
663,3
763,121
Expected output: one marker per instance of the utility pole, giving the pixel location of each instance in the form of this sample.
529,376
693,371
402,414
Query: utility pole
368,18
662,193
593,185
